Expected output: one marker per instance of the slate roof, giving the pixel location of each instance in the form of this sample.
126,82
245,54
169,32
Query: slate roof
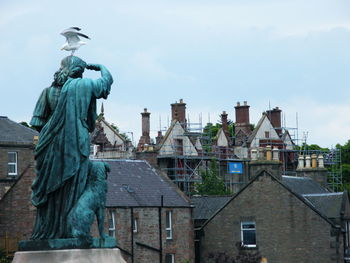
134,183
206,206
329,204
14,133
303,185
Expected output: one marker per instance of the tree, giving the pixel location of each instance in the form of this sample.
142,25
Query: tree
212,183
125,137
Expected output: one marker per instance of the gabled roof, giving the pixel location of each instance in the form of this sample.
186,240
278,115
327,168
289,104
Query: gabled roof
285,135
303,185
301,198
169,131
206,206
112,129
329,204
258,126
166,135
134,183
14,133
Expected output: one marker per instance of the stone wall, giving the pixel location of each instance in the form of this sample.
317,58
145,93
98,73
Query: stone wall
16,211
182,244
287,230
24,159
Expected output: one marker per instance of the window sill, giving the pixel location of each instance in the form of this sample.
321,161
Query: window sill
249,247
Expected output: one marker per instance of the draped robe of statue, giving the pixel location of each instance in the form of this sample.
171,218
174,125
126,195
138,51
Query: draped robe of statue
62,152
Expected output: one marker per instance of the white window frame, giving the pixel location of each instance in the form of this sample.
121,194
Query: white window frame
242,230
169,225
111,229
172,257
134,226
10,163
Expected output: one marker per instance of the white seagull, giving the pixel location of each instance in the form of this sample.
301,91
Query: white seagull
73,41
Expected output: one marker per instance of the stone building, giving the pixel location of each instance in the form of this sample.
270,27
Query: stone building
16,152
108,143
16,175
279,219
148,214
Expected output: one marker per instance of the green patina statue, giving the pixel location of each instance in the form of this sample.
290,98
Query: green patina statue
65,114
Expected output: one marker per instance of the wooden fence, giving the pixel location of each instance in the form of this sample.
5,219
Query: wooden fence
9,244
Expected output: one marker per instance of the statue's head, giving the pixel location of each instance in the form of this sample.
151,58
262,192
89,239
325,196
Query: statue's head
71,67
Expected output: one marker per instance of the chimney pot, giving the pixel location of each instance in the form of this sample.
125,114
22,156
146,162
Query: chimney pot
245,103
181,101
238,104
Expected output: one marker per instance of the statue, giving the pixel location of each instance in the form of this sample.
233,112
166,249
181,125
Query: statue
65,114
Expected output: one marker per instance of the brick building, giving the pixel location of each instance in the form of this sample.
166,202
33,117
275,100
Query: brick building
148,214
16,152
280,218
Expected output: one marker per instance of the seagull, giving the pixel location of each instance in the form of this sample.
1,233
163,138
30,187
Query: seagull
73,41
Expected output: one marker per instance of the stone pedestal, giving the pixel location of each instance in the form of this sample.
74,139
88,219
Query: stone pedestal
96,255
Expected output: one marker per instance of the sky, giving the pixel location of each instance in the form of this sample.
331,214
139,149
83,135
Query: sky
294,54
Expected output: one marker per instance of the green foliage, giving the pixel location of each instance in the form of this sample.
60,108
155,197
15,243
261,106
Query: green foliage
125,137
3,257
24,123
311,147
212,183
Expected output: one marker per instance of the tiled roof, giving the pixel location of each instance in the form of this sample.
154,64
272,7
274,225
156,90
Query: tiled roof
303,185
206,206
329,204
134,183
13,132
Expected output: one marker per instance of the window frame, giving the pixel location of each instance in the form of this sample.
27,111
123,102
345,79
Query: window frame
170,255
134,226
347,233
11,163
242,236
169,225
113,228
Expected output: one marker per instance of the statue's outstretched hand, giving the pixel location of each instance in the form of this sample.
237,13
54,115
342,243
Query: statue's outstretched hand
95,67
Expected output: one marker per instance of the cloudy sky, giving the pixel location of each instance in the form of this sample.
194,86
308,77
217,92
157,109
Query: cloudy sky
294,54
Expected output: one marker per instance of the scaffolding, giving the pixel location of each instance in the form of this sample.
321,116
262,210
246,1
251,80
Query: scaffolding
185,166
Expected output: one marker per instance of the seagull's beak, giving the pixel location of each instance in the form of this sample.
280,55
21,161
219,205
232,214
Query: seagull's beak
62,48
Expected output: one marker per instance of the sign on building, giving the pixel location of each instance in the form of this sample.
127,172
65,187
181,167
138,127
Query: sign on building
235,167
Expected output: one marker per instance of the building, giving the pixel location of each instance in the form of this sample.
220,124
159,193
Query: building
16,175
16,152
279,219
108,143
150,217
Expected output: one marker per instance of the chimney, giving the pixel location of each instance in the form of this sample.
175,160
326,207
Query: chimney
178,112
275,117
242,122
145,138
316,172
224,123
159,137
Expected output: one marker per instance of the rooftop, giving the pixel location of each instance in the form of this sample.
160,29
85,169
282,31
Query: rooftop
13,132
134,183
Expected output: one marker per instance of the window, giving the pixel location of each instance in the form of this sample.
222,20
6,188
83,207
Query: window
169,258
347,233
248,234
169,227
12,163
111,228
134,226
267,134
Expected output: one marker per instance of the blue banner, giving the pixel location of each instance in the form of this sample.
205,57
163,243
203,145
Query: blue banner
235,168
